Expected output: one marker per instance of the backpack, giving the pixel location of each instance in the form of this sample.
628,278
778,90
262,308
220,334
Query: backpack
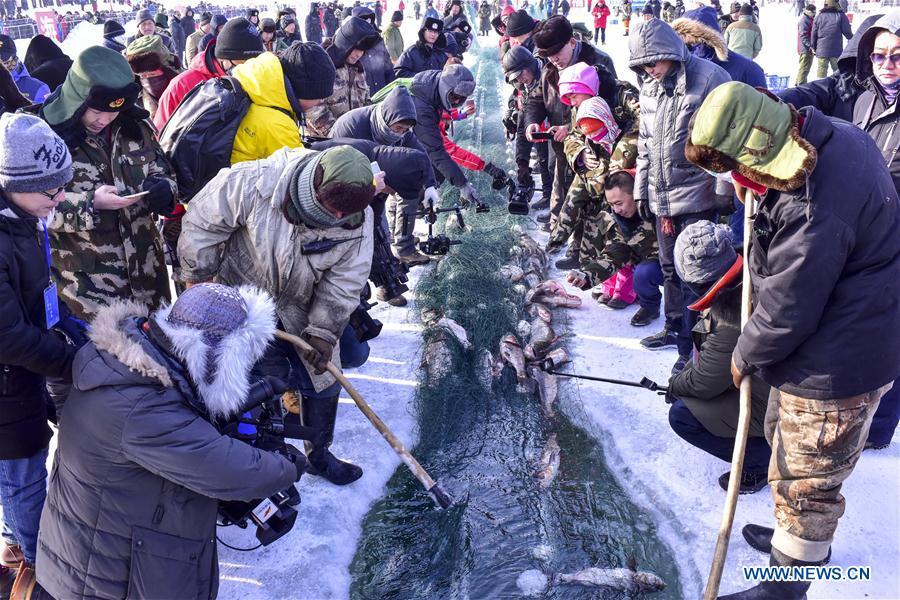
199,136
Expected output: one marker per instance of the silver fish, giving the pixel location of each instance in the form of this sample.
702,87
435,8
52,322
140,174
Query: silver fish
621,579
523,328
437,360
542,335
532,280
549,462
520,289
512,272
547,388
557,357
541,312
456,330
566,301
511,351
485,366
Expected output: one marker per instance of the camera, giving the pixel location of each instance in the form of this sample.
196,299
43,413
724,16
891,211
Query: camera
364,326
438,244
519,197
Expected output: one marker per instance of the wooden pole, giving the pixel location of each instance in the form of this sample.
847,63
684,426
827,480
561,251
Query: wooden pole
743,424
433,487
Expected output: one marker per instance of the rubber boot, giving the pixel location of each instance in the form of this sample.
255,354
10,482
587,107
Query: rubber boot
759,538
320,414
777,590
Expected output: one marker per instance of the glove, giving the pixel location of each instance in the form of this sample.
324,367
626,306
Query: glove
431,197
511,125
643,208
73,330
590,160
468,194
298,458
523,176
320,353
499,175
724,204
160,198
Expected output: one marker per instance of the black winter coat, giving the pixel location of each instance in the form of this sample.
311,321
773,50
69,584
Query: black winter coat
828,28
420,57
46,61
427,99
29,353
313,28
826,273
378,67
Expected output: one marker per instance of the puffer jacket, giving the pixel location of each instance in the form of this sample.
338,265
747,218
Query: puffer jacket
804,31
826,273
313,27
203,68
378,66
543,101
828,27
242,208
33,89
699,29
705,385
422,57
397,106
836,94
130,509
29,352
664,176
872,113
271,123
744,37
429,106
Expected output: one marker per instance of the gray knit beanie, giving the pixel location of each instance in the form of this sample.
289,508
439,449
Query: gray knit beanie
32,157
704,251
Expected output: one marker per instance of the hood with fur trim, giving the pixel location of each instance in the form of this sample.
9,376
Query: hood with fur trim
117,330
695,30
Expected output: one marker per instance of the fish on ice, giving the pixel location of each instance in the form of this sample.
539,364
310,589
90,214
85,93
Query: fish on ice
548,464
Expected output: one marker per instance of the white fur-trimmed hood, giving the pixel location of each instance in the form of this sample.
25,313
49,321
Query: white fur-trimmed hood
233,358
107,334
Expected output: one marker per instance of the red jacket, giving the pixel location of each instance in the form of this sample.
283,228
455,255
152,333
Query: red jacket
600,12
185,82
461,156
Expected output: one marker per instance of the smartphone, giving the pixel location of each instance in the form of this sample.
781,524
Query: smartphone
541,136
375,168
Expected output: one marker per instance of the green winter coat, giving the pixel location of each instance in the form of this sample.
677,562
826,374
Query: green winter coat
744,37
705,385
393,41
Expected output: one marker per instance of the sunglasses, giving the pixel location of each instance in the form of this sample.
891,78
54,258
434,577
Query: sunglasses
650,64
455,99
878,59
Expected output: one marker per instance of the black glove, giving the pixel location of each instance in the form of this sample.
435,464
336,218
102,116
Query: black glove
523,175
510,123
74,331
298,458
499,175
643,209
724,204
160,198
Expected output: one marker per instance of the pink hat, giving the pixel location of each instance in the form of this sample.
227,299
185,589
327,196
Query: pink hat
580,78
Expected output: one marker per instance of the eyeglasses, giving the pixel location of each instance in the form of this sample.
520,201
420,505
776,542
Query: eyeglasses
51,195
878,59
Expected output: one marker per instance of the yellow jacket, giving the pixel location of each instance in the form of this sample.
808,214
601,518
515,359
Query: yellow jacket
270,124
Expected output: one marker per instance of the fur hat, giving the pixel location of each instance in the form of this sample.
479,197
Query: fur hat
746,10
738,128
205,19
144,15
551,35
396,16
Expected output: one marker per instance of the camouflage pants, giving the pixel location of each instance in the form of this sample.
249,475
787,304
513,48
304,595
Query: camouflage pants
815,446
403,241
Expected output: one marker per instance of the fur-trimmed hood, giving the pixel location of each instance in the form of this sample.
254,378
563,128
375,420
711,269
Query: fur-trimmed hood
121,331
694,29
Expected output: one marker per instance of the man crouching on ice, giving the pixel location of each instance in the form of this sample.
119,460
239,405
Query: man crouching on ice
297,224
131,509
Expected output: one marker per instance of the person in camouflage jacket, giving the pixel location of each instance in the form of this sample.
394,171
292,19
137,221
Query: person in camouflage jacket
351,90
103,238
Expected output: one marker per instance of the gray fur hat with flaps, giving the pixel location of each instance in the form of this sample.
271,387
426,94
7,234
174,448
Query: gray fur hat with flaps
218,333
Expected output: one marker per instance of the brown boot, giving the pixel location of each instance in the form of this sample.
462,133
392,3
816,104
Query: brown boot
11,556
24,583
414,258
382,296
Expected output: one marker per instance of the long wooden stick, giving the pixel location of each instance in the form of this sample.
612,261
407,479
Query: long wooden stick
743,424
432,486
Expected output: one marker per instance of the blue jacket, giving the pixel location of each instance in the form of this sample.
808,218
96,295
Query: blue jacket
33,89
700,31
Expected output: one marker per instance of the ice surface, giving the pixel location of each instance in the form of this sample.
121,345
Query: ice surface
532,582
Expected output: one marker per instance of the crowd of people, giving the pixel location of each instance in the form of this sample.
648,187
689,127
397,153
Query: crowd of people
268,174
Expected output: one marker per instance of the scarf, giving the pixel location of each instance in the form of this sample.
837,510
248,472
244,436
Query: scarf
304,206
597,109
381,130
890,90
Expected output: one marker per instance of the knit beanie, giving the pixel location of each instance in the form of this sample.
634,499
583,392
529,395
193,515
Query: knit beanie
238,40
648,10
286,20
551,35
7,47
309,70
112,29
100,78
396,16
520,23
341,164
704,251
161,20
580,78
746,11
144,15
32,157
205,19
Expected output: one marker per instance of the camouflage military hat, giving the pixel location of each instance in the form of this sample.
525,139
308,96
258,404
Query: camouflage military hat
101,79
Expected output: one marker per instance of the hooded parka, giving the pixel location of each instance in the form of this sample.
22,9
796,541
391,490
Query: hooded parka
422,57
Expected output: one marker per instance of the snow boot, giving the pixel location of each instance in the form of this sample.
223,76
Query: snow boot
760,538
644,317
543,216
680,364
24,583
543,203
11,556
658,341
617,304
568,262
414,259
382,296
777,590
320,414
750,483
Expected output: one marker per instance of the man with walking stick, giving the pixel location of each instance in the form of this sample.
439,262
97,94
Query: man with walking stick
825,327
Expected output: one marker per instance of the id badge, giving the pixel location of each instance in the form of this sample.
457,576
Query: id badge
51,305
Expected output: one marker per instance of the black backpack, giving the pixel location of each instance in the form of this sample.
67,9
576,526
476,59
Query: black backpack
199,136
